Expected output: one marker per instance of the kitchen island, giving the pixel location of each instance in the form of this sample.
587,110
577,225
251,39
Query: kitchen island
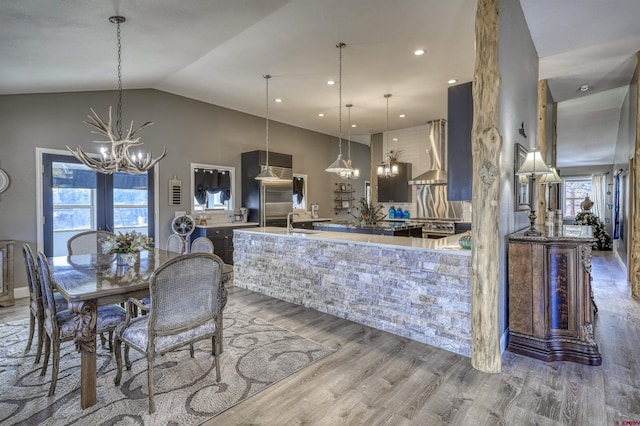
397,229
413,287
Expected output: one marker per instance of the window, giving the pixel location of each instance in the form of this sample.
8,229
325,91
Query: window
575,189
76,199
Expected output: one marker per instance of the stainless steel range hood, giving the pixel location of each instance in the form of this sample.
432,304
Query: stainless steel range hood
437,154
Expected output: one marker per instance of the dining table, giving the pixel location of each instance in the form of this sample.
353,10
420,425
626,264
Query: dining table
90,280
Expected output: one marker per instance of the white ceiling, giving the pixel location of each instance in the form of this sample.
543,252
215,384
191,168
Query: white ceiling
216,51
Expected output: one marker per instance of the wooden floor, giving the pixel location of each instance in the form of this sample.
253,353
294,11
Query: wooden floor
376,378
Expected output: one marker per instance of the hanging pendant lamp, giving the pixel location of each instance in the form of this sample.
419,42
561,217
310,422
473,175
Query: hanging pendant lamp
267,174
389,167
354,173
120,157
340,165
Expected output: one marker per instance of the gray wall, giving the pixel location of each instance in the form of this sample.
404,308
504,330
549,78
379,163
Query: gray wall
518,67
192,131
625,147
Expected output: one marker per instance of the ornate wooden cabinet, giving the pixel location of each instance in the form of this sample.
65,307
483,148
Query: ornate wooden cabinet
551,310
6,273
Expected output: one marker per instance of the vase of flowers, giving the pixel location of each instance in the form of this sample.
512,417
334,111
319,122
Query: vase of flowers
126,247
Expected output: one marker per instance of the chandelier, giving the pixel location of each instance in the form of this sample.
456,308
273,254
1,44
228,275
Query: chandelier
354,173
267,174
122,155
389,167
340,165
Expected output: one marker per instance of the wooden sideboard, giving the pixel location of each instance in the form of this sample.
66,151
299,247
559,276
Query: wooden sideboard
551,308
6,276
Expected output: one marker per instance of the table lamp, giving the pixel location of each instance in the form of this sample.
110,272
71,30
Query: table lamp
533,166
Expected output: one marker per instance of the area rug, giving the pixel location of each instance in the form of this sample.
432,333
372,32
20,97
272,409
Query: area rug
256,355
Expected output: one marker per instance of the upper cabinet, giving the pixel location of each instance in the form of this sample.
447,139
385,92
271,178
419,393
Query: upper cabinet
459,160
396,189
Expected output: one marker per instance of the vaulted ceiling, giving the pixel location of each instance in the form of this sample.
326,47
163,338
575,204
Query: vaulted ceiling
217,52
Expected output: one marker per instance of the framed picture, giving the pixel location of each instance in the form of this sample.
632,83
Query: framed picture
521,183
345,204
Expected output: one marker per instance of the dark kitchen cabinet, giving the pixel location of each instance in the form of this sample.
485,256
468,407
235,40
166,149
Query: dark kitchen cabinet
459,158
222,239
396,189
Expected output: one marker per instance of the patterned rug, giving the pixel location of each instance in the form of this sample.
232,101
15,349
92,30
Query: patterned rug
256,355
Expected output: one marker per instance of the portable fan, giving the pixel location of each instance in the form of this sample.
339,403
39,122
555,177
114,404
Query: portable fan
183,225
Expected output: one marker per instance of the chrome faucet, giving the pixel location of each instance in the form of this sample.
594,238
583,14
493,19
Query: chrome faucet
289,221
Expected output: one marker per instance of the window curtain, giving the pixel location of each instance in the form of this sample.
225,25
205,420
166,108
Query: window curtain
617,234
211,182
598,184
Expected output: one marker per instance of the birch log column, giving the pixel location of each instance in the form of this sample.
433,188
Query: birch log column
486,149
635,196
541,142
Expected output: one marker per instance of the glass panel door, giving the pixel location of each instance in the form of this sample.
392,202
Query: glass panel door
77,199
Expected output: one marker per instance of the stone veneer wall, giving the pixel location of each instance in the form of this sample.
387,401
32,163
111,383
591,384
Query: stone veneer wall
416,293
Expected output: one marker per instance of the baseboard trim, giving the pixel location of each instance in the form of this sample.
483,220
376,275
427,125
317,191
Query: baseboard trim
621,263
20,292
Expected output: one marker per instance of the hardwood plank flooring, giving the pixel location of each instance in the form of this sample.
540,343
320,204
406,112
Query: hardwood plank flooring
376,378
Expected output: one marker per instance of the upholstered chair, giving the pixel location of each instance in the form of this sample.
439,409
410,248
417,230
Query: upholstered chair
87,242
202,245
175,244
60,325
36,308
185,296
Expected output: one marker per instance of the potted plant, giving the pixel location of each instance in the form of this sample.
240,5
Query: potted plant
369,214
127,246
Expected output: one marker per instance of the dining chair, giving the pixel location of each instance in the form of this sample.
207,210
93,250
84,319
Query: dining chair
202,245
60,325
36,307
87,242
185,304
175,244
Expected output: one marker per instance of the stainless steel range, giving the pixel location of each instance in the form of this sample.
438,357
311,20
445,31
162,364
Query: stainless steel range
437,227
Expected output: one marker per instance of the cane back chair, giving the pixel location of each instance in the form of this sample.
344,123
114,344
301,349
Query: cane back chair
185,296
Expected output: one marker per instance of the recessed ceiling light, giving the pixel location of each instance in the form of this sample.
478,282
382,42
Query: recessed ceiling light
452,81
402,115
278,100
331,82
395,139
419,52
584,87
353,125
321,115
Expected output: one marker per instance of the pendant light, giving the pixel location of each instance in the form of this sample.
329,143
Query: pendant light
388,168
267,174
340,165
354,173
120,157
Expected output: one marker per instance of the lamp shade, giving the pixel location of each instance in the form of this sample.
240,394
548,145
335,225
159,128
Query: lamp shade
267,175
551,178
533,164
339,166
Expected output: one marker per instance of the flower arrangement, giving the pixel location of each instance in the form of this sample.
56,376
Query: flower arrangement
129,242
369,214
126,246
599,232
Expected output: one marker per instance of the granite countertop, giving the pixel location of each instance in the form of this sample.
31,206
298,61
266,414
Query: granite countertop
569,233
228,225
310,219
447,244
397,225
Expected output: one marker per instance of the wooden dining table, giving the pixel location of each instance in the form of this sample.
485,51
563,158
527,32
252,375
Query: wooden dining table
91,280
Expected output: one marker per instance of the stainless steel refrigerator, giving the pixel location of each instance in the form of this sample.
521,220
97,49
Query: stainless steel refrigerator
268,202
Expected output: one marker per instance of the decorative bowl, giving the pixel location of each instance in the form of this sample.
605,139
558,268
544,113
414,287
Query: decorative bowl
465,241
